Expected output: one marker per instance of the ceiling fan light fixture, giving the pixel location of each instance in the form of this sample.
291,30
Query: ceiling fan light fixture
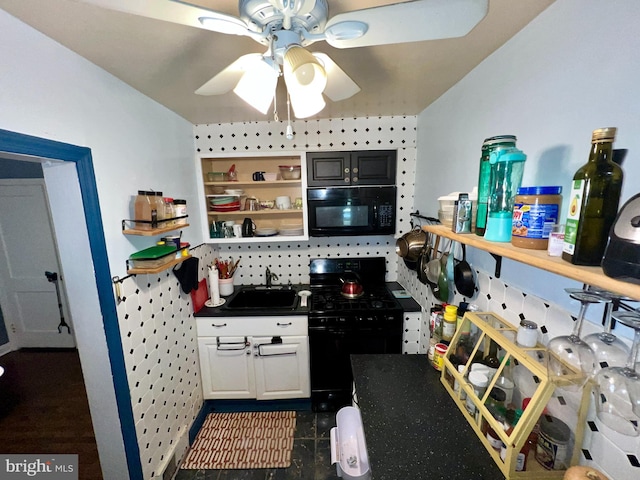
303,72
306,104
257,84
347,30
228,25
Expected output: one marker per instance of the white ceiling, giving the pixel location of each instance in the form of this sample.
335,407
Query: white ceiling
168,62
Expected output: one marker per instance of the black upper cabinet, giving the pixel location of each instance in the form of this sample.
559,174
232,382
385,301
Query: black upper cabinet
375,167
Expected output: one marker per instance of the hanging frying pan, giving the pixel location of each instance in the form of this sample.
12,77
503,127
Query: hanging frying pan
463,276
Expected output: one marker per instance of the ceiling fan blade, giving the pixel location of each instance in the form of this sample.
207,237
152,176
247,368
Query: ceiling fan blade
339,84
177,11
405,22
228,78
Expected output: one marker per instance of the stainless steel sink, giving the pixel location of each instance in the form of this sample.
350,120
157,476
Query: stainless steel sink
260,298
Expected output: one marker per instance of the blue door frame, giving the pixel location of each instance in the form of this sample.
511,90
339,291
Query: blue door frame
20,144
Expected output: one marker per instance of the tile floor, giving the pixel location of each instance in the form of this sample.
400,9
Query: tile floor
311,459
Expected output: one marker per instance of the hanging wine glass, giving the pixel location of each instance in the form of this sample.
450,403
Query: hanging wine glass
610,351
618,388
570,361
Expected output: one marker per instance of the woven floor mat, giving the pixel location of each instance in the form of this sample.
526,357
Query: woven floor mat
243,440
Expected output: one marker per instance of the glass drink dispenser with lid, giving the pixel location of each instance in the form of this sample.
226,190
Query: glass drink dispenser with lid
507,167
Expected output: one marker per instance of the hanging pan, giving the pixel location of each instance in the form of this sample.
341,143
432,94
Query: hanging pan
463,276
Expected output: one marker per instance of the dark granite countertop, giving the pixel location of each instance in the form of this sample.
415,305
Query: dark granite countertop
413,429
223,311
407,304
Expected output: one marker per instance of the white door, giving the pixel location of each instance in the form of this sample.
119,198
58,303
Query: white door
282,367
226,367
28,250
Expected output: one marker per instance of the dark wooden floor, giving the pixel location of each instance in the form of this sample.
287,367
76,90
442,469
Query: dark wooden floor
44,408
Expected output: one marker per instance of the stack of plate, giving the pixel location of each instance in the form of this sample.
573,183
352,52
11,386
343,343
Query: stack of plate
224,203
291,230
266,232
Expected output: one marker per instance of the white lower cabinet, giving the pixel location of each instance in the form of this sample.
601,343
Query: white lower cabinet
281,369
265,358
227,367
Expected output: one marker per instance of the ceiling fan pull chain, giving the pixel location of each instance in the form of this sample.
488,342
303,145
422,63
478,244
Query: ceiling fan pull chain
275,106
289,130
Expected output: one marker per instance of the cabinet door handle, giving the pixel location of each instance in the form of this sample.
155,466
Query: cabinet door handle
218,326
284,324
232,345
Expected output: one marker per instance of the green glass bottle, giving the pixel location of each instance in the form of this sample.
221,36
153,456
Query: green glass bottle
593,202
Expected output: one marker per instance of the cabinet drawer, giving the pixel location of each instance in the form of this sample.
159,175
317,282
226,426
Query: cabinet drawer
217,326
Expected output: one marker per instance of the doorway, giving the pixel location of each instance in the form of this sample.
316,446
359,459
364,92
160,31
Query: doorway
72,192
32,293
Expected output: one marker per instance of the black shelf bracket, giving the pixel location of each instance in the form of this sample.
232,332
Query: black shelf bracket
498,259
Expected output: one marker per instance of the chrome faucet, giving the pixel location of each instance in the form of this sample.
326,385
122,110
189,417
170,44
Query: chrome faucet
270,277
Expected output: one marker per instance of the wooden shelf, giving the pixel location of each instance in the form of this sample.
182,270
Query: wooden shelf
274,183
154,231
593,276
251,213
176,261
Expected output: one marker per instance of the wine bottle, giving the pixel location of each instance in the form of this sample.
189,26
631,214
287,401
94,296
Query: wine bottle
593,202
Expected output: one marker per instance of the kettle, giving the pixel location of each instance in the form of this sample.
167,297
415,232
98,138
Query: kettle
351,287
622,256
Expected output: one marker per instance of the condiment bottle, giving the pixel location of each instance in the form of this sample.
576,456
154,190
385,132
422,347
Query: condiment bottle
505,383
169,210
180,207
521,458
159,202
449,323
484,177
144,209
593,202
479,382
491,360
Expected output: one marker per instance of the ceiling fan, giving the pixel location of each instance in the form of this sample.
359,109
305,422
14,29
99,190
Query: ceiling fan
286,27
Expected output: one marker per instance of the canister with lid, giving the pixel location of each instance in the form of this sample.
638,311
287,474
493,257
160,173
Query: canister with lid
180,208
535,212
144,209
553,442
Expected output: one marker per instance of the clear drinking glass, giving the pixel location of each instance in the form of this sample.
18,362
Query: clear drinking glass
570,361
610,351
618,388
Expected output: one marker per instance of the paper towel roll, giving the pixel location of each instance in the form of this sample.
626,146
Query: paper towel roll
214,289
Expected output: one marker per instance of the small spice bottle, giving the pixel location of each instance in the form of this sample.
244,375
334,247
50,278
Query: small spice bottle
527,334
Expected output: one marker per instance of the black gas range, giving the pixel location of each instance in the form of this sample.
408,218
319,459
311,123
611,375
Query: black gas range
341,325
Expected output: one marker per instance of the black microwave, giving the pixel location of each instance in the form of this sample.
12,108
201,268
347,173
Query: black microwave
337,211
